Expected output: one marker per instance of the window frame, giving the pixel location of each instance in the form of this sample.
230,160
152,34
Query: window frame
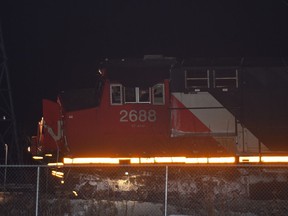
137,95
111,94
163,96
129,102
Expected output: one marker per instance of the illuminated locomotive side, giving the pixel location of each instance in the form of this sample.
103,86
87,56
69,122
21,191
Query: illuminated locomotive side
175,118
128,122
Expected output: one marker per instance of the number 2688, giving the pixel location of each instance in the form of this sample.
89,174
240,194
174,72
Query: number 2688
134,116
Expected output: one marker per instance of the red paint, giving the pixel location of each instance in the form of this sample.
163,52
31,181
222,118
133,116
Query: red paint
98,132
51,115
184,120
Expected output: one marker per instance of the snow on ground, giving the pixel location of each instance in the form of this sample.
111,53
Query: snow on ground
127,208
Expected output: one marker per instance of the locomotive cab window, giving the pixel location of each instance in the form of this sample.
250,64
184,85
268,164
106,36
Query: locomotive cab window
130,95
137,95
158,94
144,95
116,94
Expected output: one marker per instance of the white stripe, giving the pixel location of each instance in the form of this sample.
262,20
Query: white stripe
214,115
219,120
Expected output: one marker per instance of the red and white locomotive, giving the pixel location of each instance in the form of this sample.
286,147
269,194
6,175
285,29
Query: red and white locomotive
148,110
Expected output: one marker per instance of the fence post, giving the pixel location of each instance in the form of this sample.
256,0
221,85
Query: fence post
37,191
5,171
166,192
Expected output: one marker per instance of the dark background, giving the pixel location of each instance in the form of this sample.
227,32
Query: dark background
56,45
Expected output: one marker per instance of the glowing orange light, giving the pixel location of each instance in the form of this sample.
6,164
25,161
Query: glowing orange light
91,160
221,160
196,160
55,164
151,160
67,160
169,159
37,157
135,160
57,174
274,159
75,193
147,160
249,159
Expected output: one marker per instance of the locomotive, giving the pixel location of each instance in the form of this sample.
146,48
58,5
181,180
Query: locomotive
162,110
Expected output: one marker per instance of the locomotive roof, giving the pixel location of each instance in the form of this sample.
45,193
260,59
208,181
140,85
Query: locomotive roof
136,72
235,62
139,72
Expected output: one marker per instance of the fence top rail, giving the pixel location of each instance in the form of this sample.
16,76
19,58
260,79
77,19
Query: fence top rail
256,165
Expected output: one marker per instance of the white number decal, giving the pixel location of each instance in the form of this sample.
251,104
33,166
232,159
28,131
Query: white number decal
152,115
123,114
134,116
142,116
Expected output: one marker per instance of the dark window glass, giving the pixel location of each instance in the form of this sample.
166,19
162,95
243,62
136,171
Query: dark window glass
130,95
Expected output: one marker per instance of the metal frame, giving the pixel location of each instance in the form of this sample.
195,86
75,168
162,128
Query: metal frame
8,129
215,78
197,79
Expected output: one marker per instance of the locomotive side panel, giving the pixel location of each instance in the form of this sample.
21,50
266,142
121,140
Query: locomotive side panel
123,129
210,105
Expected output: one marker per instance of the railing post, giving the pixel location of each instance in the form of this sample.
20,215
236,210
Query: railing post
166,192
37,191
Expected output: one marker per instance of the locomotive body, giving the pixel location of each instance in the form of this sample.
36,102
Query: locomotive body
182,112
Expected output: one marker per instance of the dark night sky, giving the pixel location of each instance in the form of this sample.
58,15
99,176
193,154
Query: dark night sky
55,45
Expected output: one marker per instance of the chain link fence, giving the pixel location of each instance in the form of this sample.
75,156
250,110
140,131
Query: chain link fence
144,190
